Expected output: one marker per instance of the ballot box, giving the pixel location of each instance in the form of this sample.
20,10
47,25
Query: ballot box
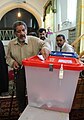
51,83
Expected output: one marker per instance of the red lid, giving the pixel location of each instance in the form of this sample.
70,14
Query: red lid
68,62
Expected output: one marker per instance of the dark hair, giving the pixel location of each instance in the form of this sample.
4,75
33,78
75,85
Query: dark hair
17,23
41,30
61,35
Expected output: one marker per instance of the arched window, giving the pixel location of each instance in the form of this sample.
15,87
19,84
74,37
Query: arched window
6,31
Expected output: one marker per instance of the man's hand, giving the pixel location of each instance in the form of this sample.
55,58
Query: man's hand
15,65
45,53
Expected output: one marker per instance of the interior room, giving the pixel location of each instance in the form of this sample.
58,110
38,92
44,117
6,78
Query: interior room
57,17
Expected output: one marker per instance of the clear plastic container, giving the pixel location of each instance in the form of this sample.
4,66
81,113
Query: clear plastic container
45,88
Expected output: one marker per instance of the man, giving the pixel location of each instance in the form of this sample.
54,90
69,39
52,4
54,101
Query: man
22,47
42,34
4,79
62,45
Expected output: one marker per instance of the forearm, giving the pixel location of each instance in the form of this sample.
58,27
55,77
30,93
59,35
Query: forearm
9,61
46,49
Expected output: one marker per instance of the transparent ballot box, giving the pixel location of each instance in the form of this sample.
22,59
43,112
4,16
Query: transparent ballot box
51,83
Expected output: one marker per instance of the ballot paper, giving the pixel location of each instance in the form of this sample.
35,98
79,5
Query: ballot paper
40,57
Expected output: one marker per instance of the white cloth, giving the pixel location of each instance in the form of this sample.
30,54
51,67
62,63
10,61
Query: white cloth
65,48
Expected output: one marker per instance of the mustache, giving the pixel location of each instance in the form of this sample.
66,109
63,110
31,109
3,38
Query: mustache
43,38
22,35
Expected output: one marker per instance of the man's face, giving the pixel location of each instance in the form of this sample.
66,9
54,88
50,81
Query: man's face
60,41
21,33
42,35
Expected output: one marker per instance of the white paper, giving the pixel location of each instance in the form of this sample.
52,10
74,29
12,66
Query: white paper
40,57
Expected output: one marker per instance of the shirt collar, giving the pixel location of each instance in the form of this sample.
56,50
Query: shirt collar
16,42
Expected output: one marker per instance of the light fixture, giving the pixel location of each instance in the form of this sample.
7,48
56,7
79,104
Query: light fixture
19,13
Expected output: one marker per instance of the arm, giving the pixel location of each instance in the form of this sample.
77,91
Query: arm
46,49
42,46
9,59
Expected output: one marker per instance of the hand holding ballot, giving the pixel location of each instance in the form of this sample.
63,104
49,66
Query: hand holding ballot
45,52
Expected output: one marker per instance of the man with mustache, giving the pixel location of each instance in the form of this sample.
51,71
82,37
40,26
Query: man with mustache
62,44
43,36
19,48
